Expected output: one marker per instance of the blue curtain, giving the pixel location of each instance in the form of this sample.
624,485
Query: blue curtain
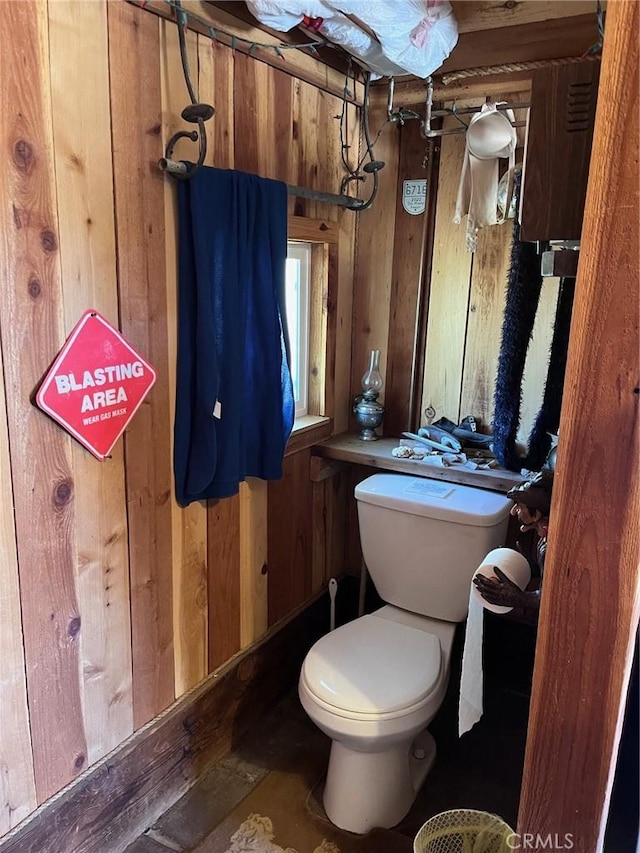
234,398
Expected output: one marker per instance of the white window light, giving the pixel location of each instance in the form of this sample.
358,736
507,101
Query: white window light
297,307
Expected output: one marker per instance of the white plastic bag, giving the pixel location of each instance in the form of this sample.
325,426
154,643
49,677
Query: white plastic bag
416,35
411,36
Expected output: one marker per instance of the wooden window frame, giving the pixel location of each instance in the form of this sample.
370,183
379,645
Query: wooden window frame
318,423
301,250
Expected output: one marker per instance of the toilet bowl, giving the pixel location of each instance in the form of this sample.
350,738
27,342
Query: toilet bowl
373,686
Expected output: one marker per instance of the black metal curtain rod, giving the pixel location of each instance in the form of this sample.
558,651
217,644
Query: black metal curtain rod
180,169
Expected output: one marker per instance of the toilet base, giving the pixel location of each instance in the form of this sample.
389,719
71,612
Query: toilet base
376,789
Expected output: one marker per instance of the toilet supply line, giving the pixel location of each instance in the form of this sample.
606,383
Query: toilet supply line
333,591
363,588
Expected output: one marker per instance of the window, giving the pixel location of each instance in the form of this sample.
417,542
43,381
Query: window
297,307
311,289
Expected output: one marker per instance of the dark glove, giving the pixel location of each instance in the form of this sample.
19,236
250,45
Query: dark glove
504,592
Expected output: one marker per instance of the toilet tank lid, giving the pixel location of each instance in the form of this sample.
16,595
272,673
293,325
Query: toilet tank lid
434,499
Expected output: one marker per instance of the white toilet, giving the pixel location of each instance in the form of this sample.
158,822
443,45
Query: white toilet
375,684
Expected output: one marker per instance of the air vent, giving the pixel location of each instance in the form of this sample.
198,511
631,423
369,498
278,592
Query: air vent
579,107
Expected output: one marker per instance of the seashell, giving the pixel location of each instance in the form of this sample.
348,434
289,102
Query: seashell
402,452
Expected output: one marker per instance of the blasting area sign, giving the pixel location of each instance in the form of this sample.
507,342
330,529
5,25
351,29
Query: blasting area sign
96,384
414,196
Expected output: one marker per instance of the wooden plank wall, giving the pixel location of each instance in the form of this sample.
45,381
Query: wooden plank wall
466,292
591,605
466,309
113,600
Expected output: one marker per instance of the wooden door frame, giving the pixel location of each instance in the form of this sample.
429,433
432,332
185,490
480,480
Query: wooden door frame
591,601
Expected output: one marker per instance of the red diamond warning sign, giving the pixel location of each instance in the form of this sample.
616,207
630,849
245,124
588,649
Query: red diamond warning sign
96,384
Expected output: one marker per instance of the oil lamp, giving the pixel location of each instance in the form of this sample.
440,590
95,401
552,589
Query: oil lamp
366,408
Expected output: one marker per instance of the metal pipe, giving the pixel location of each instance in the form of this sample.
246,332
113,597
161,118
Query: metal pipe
392,85
468,110
428,107
174,167
341,200
177,167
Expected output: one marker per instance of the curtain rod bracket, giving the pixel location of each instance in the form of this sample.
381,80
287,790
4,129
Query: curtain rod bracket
196,114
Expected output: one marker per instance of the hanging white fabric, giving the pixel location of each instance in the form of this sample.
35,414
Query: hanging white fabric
490,137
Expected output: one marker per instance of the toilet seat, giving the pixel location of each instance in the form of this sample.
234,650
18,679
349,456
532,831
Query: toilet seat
373,668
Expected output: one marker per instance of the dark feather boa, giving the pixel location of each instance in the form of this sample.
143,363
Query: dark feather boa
523,296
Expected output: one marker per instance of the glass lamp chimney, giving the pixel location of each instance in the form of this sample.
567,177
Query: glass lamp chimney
367,410
372,381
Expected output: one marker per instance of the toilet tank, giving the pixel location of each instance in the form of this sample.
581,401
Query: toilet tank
422,540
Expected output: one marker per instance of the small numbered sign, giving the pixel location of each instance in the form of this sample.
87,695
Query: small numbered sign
414,196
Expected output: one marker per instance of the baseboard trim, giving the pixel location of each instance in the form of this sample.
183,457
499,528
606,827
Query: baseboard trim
114,801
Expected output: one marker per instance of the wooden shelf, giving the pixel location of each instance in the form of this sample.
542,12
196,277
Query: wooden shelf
347,447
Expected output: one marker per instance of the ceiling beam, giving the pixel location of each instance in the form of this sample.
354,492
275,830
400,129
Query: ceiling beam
554,39
475,15
411,93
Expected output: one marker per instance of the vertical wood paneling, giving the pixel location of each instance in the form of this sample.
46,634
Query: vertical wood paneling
290,537
190,634
146,597
256,127
406,285
32,332
449,291
216,65
344,307
253,560
328,163
189,525
337,533
134,55
591,594
84,184
262,119
331,333
215,87
484,323
223,567
318,316
305,134
374,258
341,265
320,534
330,528
281,108
69,527
17,788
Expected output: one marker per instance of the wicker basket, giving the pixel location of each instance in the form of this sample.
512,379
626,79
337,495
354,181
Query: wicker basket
464,831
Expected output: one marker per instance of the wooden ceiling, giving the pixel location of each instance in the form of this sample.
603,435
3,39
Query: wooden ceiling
494,33
476,15
491,33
